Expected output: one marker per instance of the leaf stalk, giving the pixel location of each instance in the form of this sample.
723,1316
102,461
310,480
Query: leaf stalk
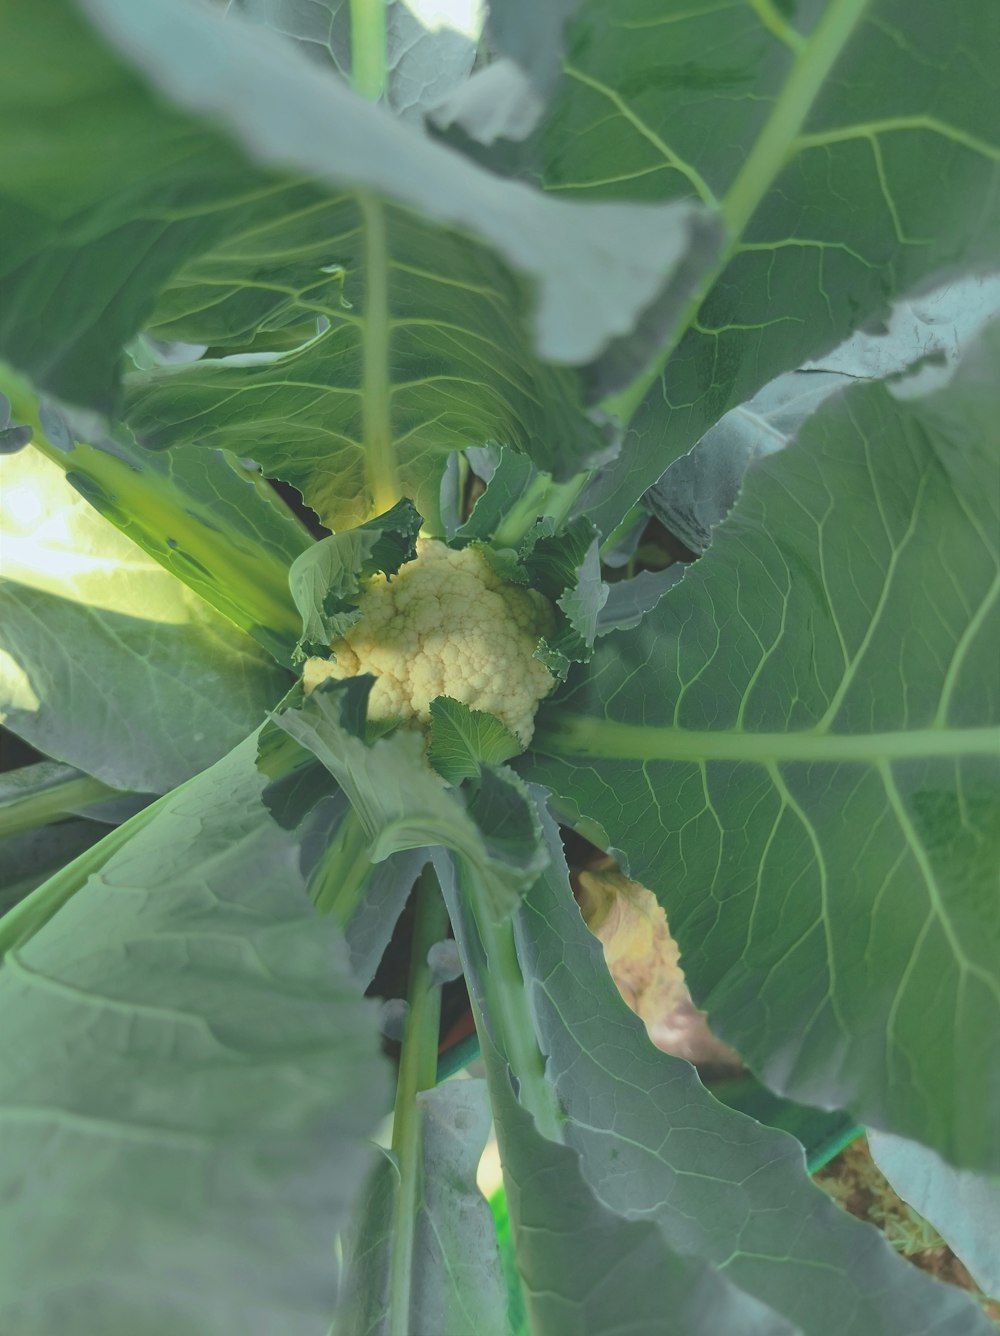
52,804
417,1072
509,1009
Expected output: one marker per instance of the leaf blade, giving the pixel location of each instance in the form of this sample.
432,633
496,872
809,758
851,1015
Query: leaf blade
202,1025
753,776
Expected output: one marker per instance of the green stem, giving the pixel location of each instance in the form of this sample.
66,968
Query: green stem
417,1071
368,76
52,803
563,496
511,1019
381,469
811,65
339,880
542,497
368,64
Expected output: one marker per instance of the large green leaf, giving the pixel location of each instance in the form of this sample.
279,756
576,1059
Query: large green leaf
851,146
107,661
585,1269
655,1145
798,749
187,1077
417,338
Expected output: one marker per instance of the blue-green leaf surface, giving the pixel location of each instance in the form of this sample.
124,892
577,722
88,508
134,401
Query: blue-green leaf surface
188,1075
798,749
851,146
586,1270
698,490
107,661
654,1145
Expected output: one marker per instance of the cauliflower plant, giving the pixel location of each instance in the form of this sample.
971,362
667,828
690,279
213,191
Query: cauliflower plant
445,625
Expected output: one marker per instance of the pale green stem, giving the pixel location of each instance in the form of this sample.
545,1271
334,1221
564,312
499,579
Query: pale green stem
368,63
564,495
380,449
541,497
339,880
417,1072
812,64
47,805
368,76
511,1019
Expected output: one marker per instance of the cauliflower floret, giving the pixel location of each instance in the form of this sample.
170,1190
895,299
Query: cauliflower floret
445,625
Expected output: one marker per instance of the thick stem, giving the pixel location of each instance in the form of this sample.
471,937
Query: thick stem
417,1071
511,1020
381,469
368,66
541,497
50,804
368,76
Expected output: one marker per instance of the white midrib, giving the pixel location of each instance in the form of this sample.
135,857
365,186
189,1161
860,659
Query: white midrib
579,735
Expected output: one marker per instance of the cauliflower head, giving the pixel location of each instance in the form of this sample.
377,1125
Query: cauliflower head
445,625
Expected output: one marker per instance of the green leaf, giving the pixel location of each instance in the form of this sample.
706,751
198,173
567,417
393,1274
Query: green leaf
365,899
458,1283
798,750
850,145
107,662
218,1072
629,600
326,579
423,64
963,1207
635,1282
402,310
403,804
461,740
698,490
655,1145
511,478
209,519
